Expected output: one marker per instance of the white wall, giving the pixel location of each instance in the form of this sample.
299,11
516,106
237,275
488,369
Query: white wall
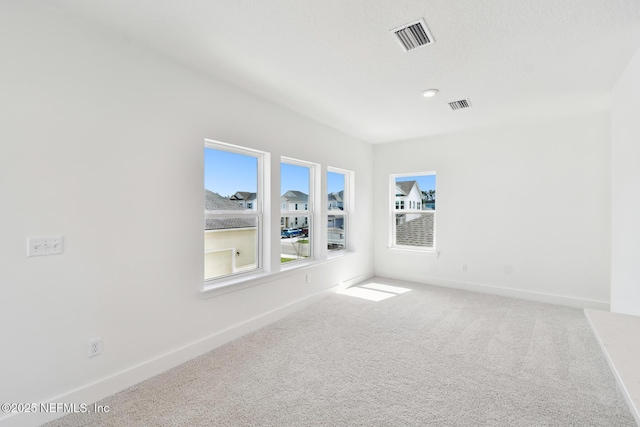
102,142
525,207
625,194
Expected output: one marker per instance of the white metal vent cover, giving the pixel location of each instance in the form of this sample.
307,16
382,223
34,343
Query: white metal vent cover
413,35
459,105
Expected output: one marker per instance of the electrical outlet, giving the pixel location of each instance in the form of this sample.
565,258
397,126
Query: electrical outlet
463,267
95,347
308,278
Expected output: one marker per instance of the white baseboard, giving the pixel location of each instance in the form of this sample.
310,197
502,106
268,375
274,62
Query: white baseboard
107,386
515,293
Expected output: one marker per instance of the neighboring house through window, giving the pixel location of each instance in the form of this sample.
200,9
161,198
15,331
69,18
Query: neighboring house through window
296,180
289,204
413,212
245,199
233,219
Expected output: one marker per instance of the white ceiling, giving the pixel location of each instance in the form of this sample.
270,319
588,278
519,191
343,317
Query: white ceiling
335,60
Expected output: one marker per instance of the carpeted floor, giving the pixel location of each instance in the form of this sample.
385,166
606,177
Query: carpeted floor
431,356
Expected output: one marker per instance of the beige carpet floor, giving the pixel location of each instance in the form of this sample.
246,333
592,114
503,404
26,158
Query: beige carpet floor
428,357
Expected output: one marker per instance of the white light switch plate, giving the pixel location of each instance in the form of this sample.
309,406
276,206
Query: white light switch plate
38,246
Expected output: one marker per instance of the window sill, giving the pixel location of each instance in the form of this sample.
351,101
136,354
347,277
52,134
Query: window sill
338,254
260,278
432,252
231,285
296,265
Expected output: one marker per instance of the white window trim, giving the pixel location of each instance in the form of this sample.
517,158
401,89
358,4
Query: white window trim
299,213
393,211
260,213
346,212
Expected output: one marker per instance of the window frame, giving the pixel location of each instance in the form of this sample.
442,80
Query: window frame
262,228
268,239
301,213
345,212
394,210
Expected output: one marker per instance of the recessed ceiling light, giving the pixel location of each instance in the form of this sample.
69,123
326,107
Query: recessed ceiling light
429,93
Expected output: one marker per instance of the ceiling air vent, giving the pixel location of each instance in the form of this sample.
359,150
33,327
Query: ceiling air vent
458,105
412,36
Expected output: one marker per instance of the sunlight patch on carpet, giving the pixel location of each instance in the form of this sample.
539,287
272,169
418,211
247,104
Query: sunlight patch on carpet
386,288
368,294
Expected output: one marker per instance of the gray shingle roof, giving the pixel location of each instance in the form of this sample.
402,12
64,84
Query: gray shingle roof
243,195
229,223
416,232
214,201
405,187
296,196
336,196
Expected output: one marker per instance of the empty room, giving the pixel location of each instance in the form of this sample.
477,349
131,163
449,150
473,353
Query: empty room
319,213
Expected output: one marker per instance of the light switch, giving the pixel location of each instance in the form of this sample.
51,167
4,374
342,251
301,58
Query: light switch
38,246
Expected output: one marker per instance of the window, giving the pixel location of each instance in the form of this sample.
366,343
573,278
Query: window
239,228
413,227
232,226
338,209
296,186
